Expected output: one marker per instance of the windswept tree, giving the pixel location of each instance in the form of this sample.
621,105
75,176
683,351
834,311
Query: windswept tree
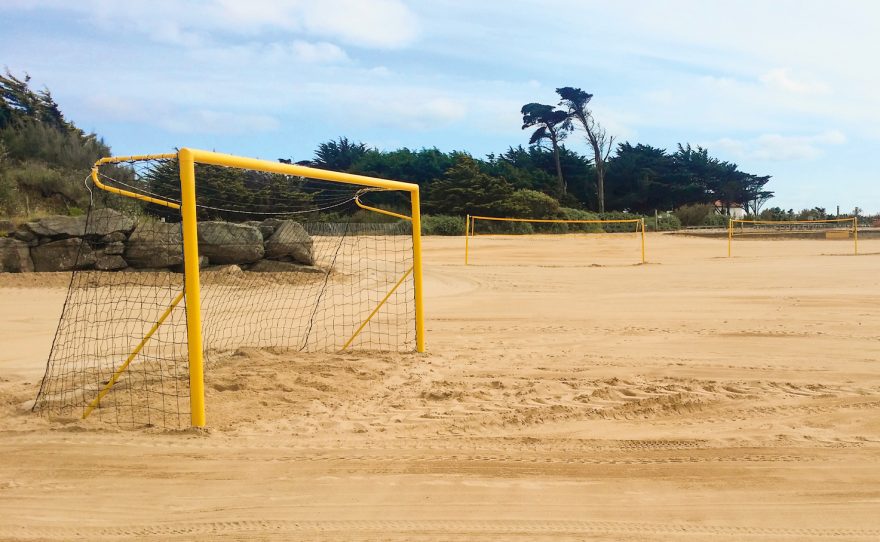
575,100
553,125
338,155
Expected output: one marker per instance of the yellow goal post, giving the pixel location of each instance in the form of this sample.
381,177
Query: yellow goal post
831,228
637,225
184,208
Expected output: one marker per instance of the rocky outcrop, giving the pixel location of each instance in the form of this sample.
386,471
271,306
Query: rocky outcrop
63,255
111,241
227,243
105,222
290,242
155,245
15,256
58,226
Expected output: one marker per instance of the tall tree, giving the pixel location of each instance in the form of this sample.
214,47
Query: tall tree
576,100
465,189
338,155
553,125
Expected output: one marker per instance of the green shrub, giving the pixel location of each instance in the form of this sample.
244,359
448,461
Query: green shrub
716,220
527,203
694,214
664,222
508,228
568,213
442,225
10,197
619,227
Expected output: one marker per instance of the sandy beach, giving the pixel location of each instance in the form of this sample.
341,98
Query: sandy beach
568,393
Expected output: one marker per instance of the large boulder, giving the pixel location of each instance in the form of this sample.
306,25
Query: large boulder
227,243
63,255
102,222
26,235
15,256
155,245
290,241
109,262
114,249
268,226
109,221
58,226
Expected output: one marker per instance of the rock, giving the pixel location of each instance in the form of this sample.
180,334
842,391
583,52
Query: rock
290,240
115,237
230,269
155,245
114,249
63,255
101,222
273,266
108,221
58,226
15,256
6,227
110,262
203,263
225,242
27,236
267,227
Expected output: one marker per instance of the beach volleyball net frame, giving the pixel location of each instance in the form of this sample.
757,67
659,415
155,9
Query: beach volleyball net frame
634,226
831,228
132,343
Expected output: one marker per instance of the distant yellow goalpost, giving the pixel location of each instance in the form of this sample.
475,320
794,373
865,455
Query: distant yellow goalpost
618,226
833,228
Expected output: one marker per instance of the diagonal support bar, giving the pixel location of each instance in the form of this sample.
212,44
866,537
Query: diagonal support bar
379,306
357,200
97,400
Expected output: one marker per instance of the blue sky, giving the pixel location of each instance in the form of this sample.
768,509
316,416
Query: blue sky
782,88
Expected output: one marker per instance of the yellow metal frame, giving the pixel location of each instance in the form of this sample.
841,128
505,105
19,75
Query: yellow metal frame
359,203
732,221
187,158
471,222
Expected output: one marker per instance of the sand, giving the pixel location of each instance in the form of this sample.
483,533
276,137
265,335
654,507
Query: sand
569,394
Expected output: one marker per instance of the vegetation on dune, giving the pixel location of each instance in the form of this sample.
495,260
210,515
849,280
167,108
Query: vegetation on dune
44,159
43,156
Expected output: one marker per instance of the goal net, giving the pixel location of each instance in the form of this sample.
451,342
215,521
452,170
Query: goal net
505,228
184,259
836,229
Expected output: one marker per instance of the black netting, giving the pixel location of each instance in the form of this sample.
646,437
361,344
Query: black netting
286,264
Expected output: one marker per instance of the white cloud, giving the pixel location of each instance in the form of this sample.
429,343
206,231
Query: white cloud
321,52
777,147
386,24
781,79
380,24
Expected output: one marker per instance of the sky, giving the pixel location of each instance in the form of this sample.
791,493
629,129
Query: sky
781,88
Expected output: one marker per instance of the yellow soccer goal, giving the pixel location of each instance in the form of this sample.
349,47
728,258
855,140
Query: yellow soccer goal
501,227
186,258
831,229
